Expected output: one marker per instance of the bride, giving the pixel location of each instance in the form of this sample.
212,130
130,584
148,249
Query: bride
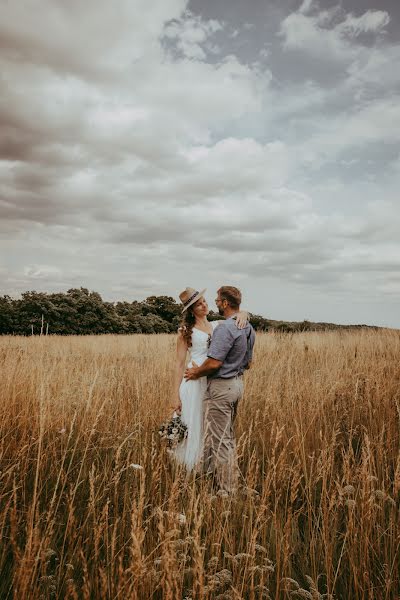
194,336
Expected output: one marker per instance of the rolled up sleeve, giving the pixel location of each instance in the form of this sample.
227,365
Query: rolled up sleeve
221,343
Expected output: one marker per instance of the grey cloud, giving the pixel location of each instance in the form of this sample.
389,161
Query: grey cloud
165,170
155,234
275,241
30,207
35,50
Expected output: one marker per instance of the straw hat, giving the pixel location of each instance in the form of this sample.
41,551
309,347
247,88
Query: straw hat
189,296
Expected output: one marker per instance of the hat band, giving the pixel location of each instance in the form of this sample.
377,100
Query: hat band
191,298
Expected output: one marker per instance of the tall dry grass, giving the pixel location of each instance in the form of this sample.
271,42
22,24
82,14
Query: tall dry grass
91,507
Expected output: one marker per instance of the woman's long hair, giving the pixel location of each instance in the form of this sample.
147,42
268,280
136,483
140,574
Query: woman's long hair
187,324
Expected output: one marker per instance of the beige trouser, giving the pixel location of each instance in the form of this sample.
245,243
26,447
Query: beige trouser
220,407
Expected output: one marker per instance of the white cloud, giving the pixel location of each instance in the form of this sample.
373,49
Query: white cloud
375,122
46,272
371,21
305,7
325,37
190,34
93,40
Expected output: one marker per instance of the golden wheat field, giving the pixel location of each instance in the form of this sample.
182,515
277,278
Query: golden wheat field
91,506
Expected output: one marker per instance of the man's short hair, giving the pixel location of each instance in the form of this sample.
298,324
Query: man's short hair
231,294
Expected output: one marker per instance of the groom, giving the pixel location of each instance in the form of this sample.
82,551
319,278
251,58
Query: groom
229,354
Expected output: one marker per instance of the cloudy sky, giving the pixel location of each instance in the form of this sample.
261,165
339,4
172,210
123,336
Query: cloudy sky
147,146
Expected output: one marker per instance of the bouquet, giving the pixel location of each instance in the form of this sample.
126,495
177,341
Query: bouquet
173,431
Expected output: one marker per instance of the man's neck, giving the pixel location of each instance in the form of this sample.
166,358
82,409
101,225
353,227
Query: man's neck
230,312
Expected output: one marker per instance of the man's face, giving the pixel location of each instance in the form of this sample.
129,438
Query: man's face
221,305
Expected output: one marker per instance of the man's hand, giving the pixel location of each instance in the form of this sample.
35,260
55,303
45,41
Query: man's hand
192,373
209,366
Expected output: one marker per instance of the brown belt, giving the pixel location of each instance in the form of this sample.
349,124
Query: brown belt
227,378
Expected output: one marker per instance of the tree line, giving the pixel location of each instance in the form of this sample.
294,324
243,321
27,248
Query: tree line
82,312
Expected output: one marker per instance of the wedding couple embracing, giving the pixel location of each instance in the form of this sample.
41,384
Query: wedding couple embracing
207,391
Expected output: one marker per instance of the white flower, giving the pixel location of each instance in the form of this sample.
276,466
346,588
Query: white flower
137,467
222,494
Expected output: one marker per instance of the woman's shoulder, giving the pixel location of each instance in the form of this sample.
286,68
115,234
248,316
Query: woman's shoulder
181,338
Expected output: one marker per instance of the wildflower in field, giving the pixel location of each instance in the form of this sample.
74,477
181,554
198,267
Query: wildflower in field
229,557
224,596
249,492
243,556
50,553
223,577
380,495
179,517
189,539
289,582
348,490
302,593
256,569
183,558
212,563
156,575
262,592
268,565
350,503
222,494
136,467
299,592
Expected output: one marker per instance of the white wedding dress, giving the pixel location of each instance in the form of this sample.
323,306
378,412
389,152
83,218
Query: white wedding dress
189,452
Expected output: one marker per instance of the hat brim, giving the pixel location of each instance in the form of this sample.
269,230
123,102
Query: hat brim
199,295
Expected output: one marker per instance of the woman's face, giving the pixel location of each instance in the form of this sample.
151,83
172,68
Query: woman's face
200,308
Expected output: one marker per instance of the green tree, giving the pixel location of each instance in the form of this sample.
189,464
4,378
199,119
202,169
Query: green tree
152,323
7,314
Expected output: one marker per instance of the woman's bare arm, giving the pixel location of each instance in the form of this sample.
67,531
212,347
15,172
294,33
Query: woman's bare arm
181,351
